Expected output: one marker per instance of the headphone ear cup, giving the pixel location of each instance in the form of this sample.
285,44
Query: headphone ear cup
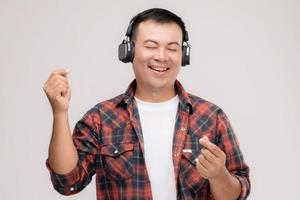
185,55
126,51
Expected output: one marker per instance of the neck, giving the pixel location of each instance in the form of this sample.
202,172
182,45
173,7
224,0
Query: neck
155,96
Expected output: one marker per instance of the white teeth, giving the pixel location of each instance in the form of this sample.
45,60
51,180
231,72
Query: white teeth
160,69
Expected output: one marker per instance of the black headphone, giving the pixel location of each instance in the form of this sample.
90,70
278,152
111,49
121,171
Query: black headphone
126,48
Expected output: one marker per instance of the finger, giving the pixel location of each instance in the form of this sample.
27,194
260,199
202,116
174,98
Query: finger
56,77
208,155
204,162
59,73
64,93
59,83
54,89
202,170
52,84
60,90
68,93
62,72
204,141
53,79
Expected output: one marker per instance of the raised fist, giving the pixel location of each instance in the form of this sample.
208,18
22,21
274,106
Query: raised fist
58,91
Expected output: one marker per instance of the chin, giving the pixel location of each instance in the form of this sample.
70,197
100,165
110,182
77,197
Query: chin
160,85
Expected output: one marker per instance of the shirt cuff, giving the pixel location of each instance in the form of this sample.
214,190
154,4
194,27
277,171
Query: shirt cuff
245,187
65,184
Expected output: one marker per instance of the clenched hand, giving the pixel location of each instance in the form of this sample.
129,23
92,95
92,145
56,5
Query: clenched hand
58,91
211,161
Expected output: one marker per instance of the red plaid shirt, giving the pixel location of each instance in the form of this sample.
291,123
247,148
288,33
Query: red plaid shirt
109,142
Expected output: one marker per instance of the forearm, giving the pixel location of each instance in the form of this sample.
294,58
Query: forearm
225,186
63,155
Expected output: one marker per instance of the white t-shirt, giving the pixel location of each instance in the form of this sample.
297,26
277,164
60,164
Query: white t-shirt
158,123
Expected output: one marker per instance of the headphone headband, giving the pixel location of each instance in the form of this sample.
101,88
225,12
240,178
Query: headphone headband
130,27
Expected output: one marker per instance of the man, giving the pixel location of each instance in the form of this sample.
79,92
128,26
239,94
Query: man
155,141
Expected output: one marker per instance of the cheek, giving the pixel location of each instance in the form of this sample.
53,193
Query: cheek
176,58
141,55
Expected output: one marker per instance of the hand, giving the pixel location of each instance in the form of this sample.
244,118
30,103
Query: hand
58,91
211,161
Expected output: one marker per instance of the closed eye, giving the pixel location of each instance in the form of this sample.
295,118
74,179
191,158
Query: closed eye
150,47
173,49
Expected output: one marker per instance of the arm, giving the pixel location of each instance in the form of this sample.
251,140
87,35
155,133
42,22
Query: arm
211,165
72,158
225,186
62,152
222,163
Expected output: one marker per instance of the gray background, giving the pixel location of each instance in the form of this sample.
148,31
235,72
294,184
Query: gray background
245,58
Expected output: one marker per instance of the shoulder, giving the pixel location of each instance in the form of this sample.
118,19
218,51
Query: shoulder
111,103
201,105
205,110
106,106
208,112
106,111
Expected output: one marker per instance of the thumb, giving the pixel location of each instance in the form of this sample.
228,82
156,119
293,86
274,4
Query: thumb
65,72
203,140
62,72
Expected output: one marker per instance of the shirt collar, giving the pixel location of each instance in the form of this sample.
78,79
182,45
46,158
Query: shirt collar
184,99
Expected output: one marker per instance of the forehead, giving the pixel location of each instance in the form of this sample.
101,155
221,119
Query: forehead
160,32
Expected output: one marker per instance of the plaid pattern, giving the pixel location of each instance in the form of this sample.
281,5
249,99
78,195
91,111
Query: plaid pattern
109,141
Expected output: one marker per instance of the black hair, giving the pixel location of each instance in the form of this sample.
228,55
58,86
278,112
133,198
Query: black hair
157,15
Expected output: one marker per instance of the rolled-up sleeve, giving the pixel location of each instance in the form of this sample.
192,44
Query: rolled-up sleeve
85,139
66,184
235,163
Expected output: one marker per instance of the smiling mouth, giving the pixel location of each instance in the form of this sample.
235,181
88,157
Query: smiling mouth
159,69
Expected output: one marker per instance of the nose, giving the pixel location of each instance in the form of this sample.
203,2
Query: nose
160,55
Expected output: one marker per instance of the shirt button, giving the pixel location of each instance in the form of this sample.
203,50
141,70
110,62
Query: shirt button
72,188
116,152
183,128
176,155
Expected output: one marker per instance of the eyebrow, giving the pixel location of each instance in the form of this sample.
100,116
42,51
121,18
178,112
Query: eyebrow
170,43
